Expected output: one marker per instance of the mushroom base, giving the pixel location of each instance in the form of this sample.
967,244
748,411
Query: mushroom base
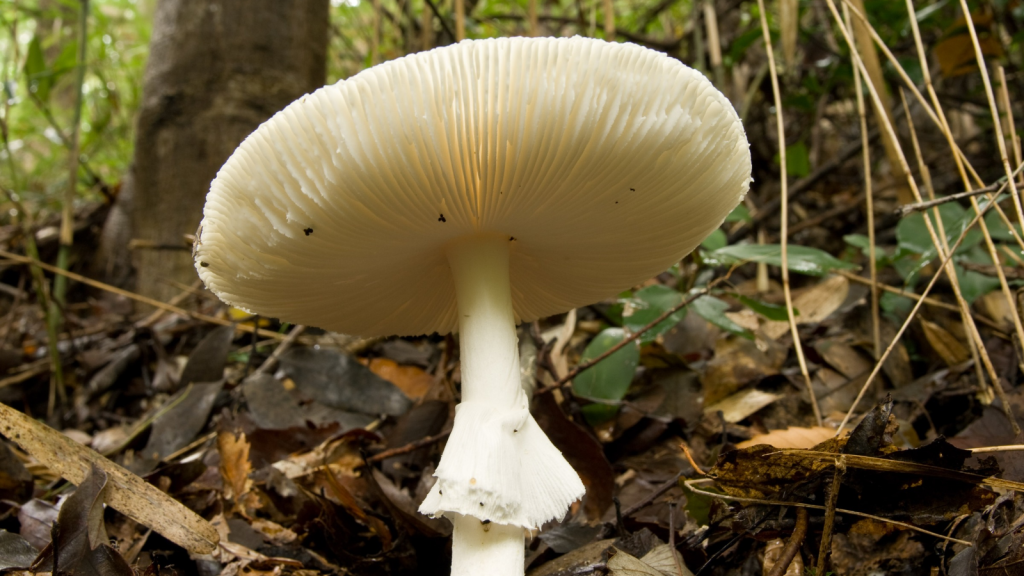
498,465
492,549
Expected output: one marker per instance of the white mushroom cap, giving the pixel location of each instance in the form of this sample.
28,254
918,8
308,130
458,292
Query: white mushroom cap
603,163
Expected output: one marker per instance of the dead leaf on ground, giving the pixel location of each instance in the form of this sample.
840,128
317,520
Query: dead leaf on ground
80,544
738,362
795,437
412,380
947,346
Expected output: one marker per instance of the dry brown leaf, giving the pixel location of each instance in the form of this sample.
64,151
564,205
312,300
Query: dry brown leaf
814,305
741,404
127,493
412,380
995,306
947,346
235,468
737,362
795,437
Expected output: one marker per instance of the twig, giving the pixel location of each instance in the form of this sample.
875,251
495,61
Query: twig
796,539
876,324
800,186
830,514
997,125
1008,448
283,347
631,338
988,270
689,484
780,128
653,494
410,447
903,328
138,297
932,234
927,300
444,23
907,209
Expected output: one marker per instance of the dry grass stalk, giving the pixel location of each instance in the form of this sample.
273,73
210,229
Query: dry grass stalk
876,329
874,76
784,210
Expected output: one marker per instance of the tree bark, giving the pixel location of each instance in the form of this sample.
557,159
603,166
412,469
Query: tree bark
216,70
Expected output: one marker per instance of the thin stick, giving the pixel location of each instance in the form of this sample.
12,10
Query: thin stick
927,108
631,338
689,484
609,21
784,212
876,329
939,224
410,447
653,494
903,328
67,217
924,104
1010,128
912,183
1000,139
929,301
138,298
989,244
460,20
714,43
908,209
830,514
531,18
1007,448
796,539
283,347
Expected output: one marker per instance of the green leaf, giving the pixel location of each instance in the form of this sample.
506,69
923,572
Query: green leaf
858,241
798,160
610,378
39,77
974,285
802,259
769,311
713,310
997,228
715,240
912,233
739,214
647,304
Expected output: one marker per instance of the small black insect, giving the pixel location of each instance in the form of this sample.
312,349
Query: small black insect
616,201
632,189
441,219
511,238
204,264
308,231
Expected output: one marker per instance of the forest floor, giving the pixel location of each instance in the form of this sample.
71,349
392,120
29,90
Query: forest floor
308,452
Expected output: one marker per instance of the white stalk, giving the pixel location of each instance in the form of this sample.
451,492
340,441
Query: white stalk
487,325
499,473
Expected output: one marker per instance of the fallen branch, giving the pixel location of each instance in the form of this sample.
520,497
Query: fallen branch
126,492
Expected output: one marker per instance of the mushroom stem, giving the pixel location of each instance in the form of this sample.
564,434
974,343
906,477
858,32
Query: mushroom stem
499,472
492,549
487,325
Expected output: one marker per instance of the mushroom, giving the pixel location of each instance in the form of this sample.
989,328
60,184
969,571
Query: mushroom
467,189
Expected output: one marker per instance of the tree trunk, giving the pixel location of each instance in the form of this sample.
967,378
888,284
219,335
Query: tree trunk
216,70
